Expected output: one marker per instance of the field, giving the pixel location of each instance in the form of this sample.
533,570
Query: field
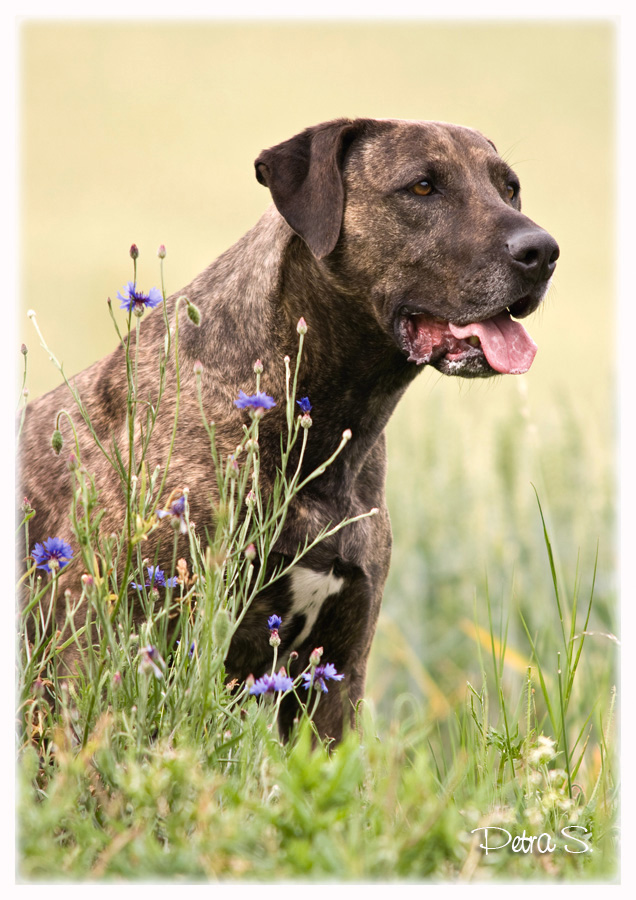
479,712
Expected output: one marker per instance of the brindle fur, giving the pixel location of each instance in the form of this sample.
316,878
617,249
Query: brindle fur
346,246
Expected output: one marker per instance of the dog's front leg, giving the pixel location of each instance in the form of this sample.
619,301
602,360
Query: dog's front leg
343,632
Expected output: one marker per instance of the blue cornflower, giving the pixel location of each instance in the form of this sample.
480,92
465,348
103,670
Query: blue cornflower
320,673
177,511
136,301
259,400
304,404
268,684
274,623
54,548
156,578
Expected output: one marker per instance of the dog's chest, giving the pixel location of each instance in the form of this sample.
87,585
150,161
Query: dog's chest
309,589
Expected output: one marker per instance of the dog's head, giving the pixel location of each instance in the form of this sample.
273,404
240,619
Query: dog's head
423,220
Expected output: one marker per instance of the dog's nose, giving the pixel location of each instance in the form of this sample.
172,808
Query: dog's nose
534,252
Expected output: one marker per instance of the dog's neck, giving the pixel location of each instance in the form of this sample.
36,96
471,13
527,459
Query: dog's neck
351,371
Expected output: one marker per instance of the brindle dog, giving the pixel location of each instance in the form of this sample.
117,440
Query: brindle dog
402,244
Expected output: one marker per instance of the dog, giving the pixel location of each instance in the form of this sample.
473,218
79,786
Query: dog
402,244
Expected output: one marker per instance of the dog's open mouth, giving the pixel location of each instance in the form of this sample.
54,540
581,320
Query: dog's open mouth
499,344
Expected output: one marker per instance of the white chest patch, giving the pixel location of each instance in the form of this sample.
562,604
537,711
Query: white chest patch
309,591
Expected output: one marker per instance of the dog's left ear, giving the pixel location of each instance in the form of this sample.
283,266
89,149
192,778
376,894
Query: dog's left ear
304,175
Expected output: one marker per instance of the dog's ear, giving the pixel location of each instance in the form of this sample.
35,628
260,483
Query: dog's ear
304,175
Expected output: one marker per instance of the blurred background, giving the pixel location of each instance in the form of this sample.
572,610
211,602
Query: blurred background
146,132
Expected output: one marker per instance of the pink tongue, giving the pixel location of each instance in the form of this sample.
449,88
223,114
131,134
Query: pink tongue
507,345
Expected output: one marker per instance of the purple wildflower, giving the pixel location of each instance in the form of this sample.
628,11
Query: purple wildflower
193,647
304,404
259,400
136,301
156,578
152,661
268,684
53,550
320,673
177,511
274,623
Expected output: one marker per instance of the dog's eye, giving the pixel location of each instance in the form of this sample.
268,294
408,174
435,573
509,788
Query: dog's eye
511,191
422,188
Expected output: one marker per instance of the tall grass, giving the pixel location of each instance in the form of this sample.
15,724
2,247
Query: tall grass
491,700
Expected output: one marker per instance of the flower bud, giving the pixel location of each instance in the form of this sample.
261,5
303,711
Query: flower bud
274,639
315,657
57,441
87,580
221,627
250,553
23,349
197,368
194,313
346,434
134,252
305,421
301,328
250,681
258,367
161,252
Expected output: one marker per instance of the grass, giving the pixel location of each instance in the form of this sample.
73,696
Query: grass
491,701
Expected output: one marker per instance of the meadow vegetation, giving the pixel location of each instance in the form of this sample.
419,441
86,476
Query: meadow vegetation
491,699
